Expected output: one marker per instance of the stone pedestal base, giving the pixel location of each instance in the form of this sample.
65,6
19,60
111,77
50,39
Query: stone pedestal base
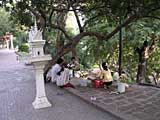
41,103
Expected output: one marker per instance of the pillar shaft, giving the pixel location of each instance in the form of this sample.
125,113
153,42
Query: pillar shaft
41,100
12,47
7,42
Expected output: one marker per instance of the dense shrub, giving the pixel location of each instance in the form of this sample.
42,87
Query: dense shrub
23,48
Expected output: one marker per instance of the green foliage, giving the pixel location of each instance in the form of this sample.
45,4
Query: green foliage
50,41
154,61
134,37
100,16
23,48
5,24
10,25
93,52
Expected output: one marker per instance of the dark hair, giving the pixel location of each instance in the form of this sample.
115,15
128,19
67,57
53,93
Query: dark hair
104,66
65,65
59,61
145,43
73,58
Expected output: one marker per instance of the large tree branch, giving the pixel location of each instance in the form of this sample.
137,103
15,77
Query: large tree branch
78,21
64,9
74,41
76,15
125,23
89,20
154,17
150,9
50,16
70,45
34,12
43,19
61,29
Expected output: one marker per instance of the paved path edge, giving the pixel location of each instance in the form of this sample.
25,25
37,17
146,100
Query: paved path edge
120,116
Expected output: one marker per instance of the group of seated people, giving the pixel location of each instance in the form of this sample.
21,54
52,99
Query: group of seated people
61,72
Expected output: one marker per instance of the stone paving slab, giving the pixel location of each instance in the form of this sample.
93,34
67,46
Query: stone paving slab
137,103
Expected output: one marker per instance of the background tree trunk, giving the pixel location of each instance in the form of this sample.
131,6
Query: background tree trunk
59,41
74,53
141,72
144,52
143,55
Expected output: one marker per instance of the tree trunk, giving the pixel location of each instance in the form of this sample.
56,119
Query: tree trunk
143,55
59,41
144,52
61,20
141,72
74,53
120,51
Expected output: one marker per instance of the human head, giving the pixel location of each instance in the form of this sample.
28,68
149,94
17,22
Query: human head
73,58
104,66
65,65
60,61
145,43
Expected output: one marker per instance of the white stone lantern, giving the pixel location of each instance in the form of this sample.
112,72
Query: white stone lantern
38,59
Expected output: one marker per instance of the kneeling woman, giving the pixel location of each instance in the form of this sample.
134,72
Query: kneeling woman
106,76
63,76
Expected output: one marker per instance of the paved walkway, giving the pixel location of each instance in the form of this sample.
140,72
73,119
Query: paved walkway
17,92
138,103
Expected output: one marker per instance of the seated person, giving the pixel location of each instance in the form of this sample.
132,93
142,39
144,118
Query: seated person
49,75
63,76
73,66
106,76
55,69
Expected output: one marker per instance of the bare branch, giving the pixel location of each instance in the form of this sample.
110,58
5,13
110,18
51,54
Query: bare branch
33,12
61,29
76,15
87,21
128,21
50,16
155,17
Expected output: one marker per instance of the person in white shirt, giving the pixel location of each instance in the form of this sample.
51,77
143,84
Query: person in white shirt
63,76
55,69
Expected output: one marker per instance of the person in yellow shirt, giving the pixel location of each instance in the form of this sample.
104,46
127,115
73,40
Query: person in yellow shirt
106,76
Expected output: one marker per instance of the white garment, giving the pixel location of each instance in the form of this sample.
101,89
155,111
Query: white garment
63,78
116,76
55,69
49,74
